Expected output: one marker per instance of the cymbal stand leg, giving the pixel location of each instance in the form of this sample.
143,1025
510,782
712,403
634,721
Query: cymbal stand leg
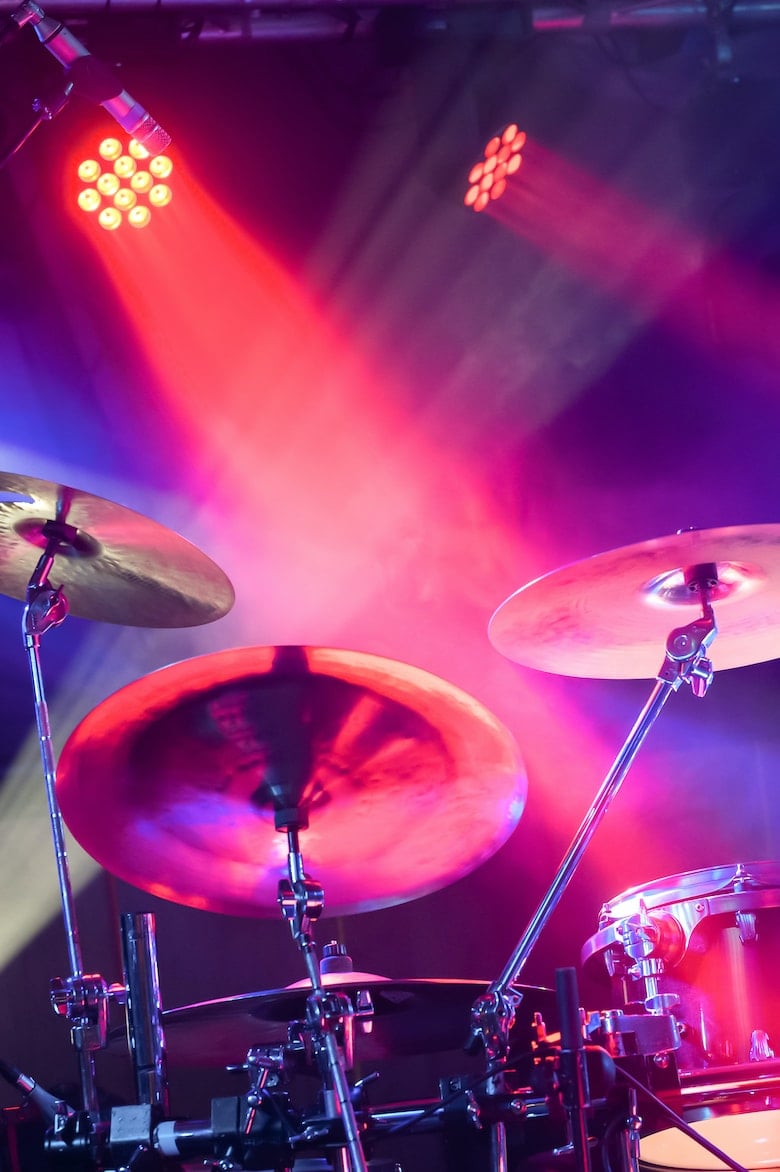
494,1012
301,900
45,608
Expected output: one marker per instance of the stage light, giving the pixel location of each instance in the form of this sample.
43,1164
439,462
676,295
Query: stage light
110,219
125,166
123,183
110,149
488,178
142,182
160,195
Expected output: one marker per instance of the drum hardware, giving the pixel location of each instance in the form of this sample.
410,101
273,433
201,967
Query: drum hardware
600,618
329,1013
155,578
625,1035
685,661
701,945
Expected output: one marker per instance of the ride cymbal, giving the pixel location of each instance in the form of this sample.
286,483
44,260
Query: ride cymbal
406,1018
115,565
609,616
177,782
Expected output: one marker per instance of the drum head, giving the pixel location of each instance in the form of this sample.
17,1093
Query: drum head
752,1139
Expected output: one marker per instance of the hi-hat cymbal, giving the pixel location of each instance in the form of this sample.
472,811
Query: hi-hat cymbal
174,782
115,565
609,616
409,1017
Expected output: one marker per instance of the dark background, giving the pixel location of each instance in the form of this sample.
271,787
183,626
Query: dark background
545,408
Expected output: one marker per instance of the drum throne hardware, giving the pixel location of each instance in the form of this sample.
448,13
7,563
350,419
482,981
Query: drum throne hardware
600,617
117,566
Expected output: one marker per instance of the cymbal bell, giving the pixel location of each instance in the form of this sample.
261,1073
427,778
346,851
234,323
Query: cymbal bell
409,1017
176,782
609,616
115,565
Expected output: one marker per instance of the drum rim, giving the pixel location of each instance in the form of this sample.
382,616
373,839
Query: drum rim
699,884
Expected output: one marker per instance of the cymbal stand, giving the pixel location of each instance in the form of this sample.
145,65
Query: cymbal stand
685,661
493,1013
83,998
301,900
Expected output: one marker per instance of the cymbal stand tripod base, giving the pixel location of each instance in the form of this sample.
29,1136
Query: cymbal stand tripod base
328,1013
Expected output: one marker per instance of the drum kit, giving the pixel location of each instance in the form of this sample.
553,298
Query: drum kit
229,781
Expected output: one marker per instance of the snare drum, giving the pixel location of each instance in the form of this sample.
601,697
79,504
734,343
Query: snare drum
703,946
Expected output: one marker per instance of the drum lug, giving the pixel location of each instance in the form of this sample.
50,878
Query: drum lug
746,922
760,1050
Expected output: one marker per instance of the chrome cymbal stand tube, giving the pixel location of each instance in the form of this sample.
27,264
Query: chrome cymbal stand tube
686,660
301,900
80,997
144,1009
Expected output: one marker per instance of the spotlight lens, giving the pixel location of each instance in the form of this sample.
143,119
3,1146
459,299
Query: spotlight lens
510,133
110,219
110,149
476,172
141,182
136,150
514,164
124,166
492,147
161,166
498,189
481,202
89,200
89,170
470,198
125,199
108,184
139,217
160,195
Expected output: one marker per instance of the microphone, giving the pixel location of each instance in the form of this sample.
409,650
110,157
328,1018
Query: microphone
93,78
47,1104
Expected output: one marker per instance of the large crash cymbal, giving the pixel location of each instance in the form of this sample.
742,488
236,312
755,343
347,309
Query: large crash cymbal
609,616
116,566
406,1017
173,783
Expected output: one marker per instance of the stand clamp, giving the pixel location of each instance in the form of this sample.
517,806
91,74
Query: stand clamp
84,1001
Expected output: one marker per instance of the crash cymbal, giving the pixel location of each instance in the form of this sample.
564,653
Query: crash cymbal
409,1017
116,566
609,616
174,782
